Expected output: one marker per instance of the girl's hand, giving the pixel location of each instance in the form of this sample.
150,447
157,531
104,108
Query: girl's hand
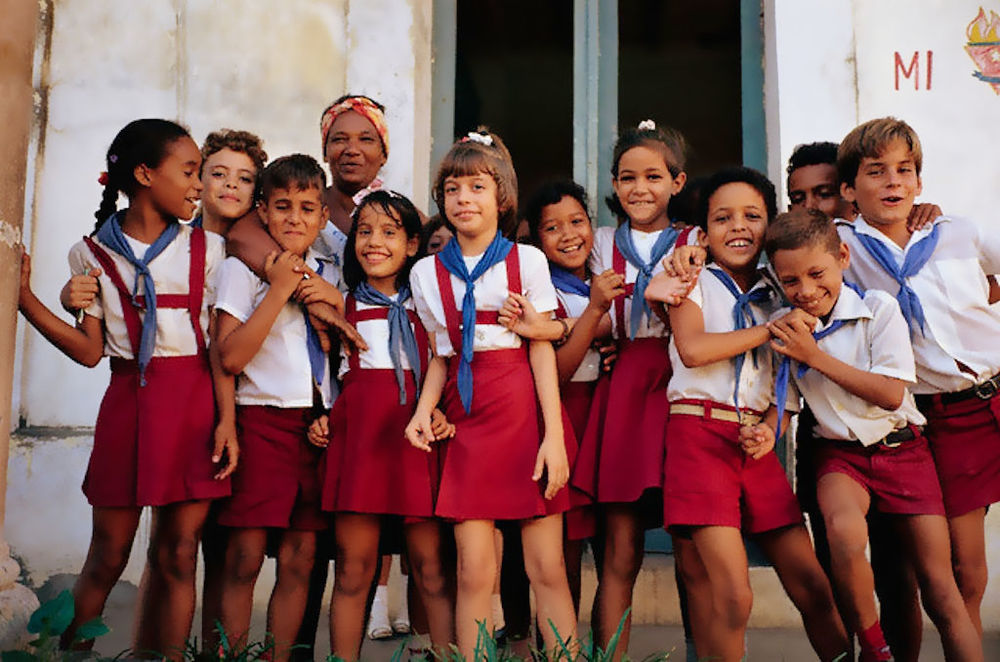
519,316
80,291
283,273
604,288
551,460
325,317
670,289
226,445
440,427
319,431
609,354
313,289
793,336
685,262
420,431
757,440
921,216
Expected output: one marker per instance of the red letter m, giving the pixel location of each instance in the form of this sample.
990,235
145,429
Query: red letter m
912,70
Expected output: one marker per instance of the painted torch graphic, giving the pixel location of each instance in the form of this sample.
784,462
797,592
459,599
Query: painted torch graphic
984,47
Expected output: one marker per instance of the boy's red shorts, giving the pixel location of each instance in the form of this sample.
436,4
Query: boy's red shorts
710,481
901,480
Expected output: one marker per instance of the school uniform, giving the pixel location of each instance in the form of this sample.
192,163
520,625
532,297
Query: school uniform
883,451
371,467
708,479
577,398
153,439
277,395
486,468
621,453
954,346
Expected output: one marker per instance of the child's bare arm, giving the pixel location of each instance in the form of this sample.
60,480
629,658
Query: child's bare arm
419,431
226,442
698,347
793,338
83,343
552,453
519,316
239,342
249,241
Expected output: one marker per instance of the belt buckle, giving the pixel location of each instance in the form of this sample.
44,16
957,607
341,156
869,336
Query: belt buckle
987,390
890,444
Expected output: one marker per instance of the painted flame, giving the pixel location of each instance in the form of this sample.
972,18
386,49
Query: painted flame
981,31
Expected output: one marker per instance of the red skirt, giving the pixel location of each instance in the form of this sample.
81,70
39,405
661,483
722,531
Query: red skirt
486,468
621,455
577,398
965,441
379,471
277,483
153,444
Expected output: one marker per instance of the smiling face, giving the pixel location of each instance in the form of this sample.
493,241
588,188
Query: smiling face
382,247
294,217
815,187
736,221
565,234
644,186
470,204
174,186
353,152
811,276
229,178
886,186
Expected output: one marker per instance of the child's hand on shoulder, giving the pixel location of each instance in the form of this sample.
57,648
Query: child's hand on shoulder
519,316
440,427
685,261
604,288
552,461
80,291
757,440
921,216
319,431
792,336
669,289
420,431
283,272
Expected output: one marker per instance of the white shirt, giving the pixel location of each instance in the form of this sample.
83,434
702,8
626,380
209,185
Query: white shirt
874,338
590,367
714,381
376,335
602,259
960,324
174,334
491,293
279,374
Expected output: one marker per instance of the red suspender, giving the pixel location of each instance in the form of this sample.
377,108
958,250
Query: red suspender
191,301
353,315
618,264
451,315
561,310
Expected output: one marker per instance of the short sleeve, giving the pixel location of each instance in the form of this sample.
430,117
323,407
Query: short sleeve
600,260
421,290
215,255
697,294
889,338
236,289
536,279
81,261
989,249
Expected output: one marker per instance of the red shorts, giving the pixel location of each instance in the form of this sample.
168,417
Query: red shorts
965,441
277,482
900,480
710,481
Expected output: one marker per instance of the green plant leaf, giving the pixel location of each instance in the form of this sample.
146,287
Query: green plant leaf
54,616
92,629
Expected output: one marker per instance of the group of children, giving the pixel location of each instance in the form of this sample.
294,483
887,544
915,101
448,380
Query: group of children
590,384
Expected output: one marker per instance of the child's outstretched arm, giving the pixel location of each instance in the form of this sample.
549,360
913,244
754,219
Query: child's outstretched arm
604,288
698,347
83,343
226,443
239,342
793,338
551,456
420,430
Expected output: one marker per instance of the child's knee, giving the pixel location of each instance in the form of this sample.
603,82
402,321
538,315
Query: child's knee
733,604
621,563
475,577
545,570
176,558
243,564
971,577
354,573
429,575
846,534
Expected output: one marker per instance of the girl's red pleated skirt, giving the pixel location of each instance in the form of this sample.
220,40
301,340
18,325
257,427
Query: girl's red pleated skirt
153,444
277,483
621,455
377,470
577,398
486,468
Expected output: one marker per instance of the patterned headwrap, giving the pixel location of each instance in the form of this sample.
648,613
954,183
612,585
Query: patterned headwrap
362,106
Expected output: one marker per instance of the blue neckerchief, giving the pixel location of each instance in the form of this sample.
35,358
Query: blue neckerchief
110,234
785,366
916,258
317,359
197,222
742,318
623,240
401,336
564,281
451,258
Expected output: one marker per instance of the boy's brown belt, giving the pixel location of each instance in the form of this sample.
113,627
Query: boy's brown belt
984,391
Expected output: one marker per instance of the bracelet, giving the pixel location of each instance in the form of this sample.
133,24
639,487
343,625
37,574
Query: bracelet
565,332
